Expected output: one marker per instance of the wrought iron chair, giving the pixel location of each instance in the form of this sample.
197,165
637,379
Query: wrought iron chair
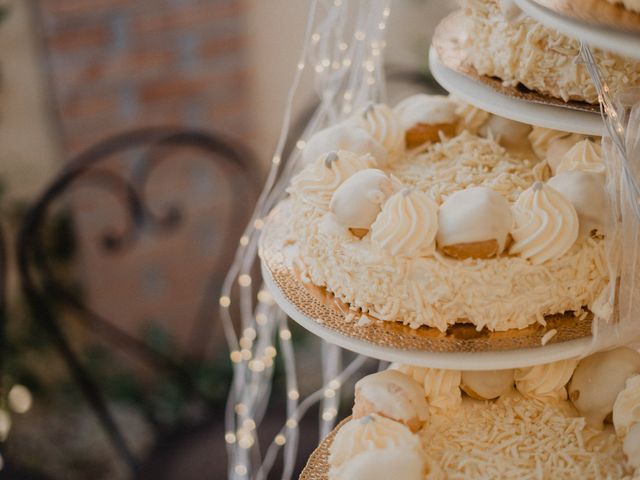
124,166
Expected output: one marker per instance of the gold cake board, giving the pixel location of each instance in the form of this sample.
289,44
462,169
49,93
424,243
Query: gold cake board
461,347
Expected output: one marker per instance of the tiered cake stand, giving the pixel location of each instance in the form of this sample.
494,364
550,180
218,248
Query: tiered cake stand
462,347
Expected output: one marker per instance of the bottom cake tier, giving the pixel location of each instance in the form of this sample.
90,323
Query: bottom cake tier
568,419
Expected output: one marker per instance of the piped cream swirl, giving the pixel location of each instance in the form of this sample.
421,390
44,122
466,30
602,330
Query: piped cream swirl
545,224
383,125
407,224
317,182
584,156
546,381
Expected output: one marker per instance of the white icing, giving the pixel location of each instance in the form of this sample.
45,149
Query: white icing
389,463
394,395
508,133
498,294
541,138
442,388
522,51
545,224
626,409
407,224
631,447
545,381
488,384
383,125
586,192
474,214
375,435
317,182
351,138
598,379
426,109
358,201
584,156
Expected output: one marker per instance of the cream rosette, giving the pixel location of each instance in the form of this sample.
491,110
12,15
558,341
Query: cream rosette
317,182
545,382
545,224
375,448
351,138
584,156
626,409
407,224
382,124
470,118
442,388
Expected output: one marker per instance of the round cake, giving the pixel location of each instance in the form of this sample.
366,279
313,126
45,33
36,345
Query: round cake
500,41
530,422
487,221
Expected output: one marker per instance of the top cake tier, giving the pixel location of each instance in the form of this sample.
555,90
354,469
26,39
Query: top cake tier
500,41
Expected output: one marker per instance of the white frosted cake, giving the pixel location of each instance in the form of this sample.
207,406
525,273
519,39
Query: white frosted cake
500,41
435,213
535,422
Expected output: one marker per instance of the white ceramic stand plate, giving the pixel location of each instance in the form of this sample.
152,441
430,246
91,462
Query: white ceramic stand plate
617,41
461,348
486,98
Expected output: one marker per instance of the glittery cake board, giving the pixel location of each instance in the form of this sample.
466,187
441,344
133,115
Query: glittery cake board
461,347
446,41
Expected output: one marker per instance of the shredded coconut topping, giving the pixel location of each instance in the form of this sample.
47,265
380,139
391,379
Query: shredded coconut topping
518,438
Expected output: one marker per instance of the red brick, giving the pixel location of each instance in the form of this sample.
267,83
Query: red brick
183,18
91,106
134,63
181,87
79,38
58,8
220,46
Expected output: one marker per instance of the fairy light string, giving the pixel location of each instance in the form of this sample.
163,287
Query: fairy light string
343,46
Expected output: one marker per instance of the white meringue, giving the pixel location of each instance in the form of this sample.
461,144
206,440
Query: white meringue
359,442
351,138
598,380
586,192
383,125
407,224
487,384
545,224
508,133
394,395
358,201
540,138
427,109
631,447
585,156
317,182
472,215
545,382
626,409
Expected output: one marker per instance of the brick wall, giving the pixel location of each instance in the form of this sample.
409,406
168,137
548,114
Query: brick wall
114,64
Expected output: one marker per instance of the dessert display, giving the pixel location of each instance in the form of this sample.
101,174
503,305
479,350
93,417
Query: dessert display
506,424
487,222
498,36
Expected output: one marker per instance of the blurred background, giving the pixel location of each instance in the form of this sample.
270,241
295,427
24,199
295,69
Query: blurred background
123,276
